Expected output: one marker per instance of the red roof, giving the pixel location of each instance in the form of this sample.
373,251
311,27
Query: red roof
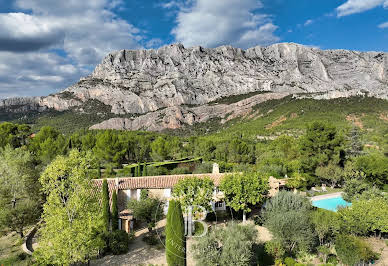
163,181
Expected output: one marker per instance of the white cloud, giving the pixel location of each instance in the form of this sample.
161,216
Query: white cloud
218,22
308,22
85,31
383,25
358,6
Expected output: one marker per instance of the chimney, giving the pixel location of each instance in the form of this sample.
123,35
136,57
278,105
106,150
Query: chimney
216,168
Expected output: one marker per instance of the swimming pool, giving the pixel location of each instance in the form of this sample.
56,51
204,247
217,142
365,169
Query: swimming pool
331,204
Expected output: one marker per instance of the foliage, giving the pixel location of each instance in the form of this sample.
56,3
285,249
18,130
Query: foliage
321,144
351,250
105,205
231,245
331,173
374,165
13,134
149,210
354,188
115,212
194,191
119,242
243,190
108,147
365,216
275,248
72,216
20,199
175,238
326,224
287,218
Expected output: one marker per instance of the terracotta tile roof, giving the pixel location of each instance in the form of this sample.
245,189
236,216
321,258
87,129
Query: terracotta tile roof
148,182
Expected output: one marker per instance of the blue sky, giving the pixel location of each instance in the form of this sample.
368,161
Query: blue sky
47,45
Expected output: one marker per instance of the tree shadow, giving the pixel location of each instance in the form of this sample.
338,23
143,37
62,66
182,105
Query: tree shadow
260,256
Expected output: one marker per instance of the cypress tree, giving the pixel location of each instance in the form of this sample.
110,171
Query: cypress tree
115,212
99,170
144,169
138,169
175,235
105,204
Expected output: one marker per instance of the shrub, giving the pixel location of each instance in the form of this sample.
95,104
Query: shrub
151,239
180,171
154,171
289,261
230,245
275,249
351,250
203,168
118,242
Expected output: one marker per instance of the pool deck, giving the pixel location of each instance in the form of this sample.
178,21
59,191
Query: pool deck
326,196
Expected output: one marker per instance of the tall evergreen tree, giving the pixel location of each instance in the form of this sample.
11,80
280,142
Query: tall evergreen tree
115,212
175,235
144,169
105,204
139,169
99,170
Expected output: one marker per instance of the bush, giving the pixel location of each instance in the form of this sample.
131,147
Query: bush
258,220
118,242
351,250
154,171
275,249
180,171
203,168
289,261
151,239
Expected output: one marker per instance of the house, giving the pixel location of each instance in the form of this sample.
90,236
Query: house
128,188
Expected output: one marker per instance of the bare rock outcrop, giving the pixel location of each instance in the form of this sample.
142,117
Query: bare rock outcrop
165,82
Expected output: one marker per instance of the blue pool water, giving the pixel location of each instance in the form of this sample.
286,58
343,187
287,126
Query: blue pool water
331,204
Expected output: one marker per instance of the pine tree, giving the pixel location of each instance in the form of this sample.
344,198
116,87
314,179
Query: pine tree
105,204
144,169
175,238
115,212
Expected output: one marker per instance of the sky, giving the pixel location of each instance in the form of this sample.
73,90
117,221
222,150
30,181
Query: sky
47,45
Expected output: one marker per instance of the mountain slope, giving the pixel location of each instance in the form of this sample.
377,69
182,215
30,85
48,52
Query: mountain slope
176,86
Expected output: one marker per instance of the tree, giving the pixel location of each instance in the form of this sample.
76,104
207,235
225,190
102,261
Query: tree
354,188
355,147
374,165
331,173
230,245
175,238
321,144
108,147
365,216
159,149
194,192
115,212
20,197
287,217
243,190
145,169
326,224
148,210
105,205
13,134
72,214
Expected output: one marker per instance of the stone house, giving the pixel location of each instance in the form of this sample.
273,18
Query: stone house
128,188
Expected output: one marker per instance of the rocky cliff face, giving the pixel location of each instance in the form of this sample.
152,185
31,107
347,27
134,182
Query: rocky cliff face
164,82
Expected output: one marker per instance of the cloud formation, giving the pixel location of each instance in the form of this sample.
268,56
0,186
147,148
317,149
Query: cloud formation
383,25
218,22
358,6
59,41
